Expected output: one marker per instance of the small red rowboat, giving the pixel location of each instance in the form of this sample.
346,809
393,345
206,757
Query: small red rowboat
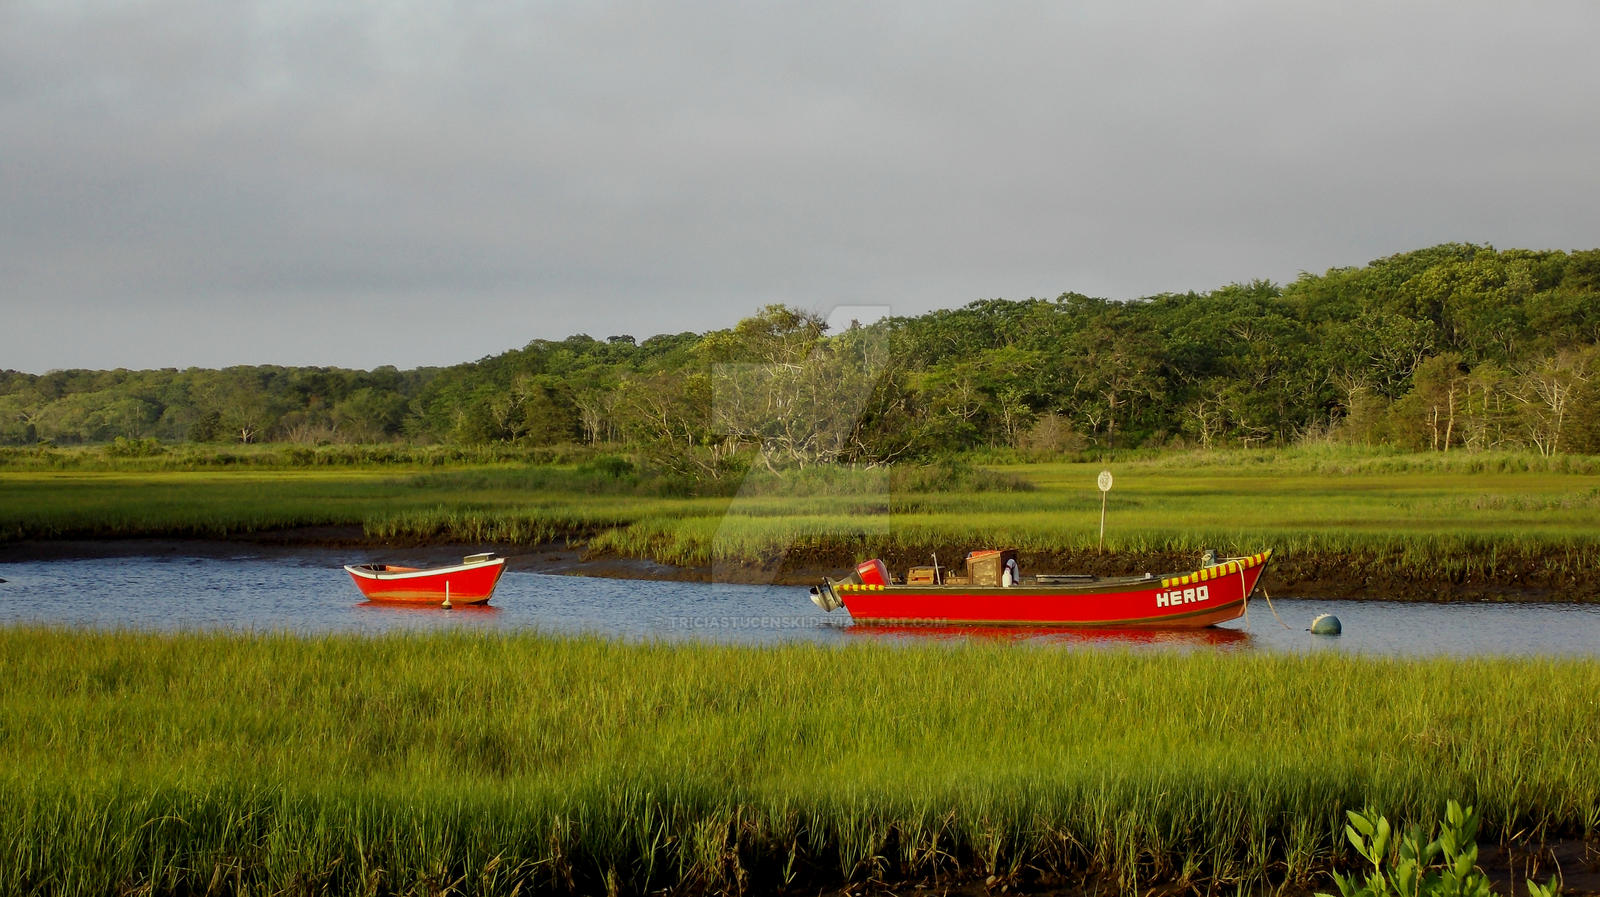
1212,594
470,582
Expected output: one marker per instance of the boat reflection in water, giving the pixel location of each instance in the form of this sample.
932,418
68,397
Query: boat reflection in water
1210,637
471,610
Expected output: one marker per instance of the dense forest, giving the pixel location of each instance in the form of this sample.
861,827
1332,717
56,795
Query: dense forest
1453,347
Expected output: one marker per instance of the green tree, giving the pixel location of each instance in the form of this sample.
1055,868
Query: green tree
369,414
1550,389
1426,417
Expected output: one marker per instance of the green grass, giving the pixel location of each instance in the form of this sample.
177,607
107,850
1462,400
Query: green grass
149,454
141,763
100,504
1408,523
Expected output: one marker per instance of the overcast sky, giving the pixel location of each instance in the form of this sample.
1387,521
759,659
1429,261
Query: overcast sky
419,183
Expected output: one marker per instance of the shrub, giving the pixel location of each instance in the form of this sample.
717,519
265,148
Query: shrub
123,447
1446,866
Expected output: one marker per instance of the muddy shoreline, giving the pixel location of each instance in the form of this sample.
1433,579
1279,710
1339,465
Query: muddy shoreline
1576,862
1288,576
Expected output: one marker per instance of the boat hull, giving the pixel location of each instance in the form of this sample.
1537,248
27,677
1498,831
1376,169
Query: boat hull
1190,600
463,584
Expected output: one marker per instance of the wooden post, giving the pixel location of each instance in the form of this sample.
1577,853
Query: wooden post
1102,522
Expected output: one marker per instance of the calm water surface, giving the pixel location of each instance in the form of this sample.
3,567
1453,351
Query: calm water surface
309,593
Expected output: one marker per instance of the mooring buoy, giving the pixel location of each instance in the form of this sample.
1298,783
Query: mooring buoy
1326,624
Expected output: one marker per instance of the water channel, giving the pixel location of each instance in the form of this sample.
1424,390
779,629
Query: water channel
309,593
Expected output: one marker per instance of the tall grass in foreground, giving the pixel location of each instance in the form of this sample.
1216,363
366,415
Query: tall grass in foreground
138,763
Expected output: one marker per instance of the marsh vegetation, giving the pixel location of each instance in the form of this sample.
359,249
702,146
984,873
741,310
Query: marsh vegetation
487,764
1503,525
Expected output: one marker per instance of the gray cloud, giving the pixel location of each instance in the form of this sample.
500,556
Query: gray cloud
194,183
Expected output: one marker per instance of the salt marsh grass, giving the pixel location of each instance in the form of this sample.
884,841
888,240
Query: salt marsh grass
1409,521
144,763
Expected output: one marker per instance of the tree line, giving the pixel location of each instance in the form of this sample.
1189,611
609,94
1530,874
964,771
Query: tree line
1453,347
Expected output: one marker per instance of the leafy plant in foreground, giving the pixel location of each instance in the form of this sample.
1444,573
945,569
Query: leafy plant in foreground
1446,866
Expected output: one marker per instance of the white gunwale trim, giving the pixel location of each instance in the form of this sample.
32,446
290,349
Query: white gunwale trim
362,571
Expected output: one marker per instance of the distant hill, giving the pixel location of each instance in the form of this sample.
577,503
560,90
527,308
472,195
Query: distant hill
1454,346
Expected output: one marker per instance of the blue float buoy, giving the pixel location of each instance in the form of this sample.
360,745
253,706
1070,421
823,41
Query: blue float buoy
1326,624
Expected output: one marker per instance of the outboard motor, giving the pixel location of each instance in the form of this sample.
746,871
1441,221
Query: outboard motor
823,596
869,573
873,573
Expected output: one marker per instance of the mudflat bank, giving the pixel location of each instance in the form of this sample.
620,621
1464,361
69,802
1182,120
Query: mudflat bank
1515,577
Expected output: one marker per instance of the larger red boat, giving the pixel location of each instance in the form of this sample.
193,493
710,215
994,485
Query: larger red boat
470,582
993,592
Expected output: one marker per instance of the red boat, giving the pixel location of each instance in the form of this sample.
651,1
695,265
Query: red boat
470,582
993,593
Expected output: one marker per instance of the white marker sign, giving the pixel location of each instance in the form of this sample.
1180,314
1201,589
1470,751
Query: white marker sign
1105,481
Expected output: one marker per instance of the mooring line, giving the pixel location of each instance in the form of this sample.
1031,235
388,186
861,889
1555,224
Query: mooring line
1264,594
1274,610
1245,592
